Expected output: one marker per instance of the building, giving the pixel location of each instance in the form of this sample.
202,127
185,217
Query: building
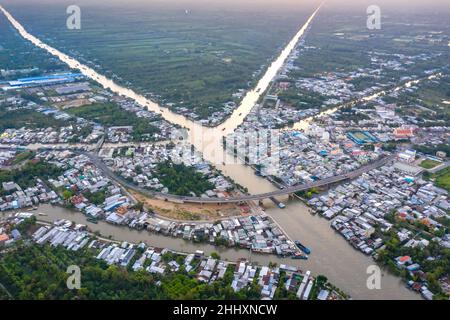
407,156
441,154
403,133
3,238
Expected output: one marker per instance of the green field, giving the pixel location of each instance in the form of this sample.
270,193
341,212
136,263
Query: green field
340,42
443,179
27,118
196,60
16,53
429,164
110,114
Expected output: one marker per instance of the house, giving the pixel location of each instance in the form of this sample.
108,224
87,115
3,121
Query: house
323,295
407,156
3,238
403,133
16,234
403,260
10,186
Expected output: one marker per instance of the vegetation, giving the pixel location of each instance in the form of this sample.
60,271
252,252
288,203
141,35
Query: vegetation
302,99
443,179
96,198
307,194
110,114
350,114
39,272
26,176
22,156
434,268
429,164
432,149
196,60
428,103
15,119
17,53
181,179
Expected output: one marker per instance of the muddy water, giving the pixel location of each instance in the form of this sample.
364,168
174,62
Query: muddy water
331,255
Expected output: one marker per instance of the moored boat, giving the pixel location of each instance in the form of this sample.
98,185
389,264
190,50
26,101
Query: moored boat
302,247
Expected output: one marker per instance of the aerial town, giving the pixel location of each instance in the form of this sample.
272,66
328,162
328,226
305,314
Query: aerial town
364,152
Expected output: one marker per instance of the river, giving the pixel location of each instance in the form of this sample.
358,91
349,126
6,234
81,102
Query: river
312,227
331,254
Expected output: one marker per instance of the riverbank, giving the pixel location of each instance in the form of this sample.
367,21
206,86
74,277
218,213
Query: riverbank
351,280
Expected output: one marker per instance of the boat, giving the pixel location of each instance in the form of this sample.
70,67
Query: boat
299,255
92,220
302,247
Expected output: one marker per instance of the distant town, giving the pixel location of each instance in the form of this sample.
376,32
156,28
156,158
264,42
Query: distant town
74,149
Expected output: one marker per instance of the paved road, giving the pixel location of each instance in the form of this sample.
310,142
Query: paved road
439,167
255,197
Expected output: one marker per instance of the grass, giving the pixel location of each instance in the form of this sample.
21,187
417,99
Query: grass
31,119
16,53
23,156
110,114
429,164
442,179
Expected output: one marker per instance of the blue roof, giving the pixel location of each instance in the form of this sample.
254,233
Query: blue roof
55,76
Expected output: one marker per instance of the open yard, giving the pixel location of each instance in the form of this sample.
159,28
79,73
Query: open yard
429,164
186,211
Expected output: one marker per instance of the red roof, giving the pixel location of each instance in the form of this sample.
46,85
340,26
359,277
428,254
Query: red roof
404,132
404,258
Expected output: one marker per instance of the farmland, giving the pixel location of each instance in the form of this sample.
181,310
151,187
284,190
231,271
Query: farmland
193,59
16,53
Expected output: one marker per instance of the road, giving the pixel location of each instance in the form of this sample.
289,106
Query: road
244,198
439,167
255,197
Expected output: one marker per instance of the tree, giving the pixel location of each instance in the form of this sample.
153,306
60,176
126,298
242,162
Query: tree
215,255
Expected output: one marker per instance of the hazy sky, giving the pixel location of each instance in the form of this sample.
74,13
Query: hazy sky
356,7
260,4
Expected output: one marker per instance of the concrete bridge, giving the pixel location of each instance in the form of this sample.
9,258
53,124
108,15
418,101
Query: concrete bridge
256,197
244,198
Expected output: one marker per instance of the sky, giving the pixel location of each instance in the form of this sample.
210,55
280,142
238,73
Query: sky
251,3
355,7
